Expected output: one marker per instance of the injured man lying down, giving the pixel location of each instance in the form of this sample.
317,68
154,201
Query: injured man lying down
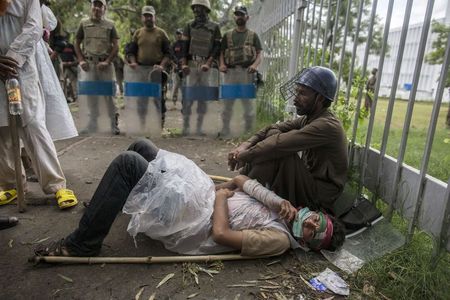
170,199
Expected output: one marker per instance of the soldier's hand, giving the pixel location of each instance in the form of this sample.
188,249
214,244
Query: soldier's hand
133,65
186,70
103,65
84,65
223,68
205,67
251,69
8,67
158,67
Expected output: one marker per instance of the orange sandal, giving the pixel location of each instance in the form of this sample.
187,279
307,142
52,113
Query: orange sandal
66,198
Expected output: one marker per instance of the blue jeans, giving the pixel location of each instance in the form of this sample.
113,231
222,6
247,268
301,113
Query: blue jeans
122,175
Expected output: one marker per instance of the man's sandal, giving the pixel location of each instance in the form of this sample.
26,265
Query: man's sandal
57,248
66,198
7,196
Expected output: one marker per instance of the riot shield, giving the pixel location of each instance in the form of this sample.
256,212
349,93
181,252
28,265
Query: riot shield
200,106
143,106
97,110
237,102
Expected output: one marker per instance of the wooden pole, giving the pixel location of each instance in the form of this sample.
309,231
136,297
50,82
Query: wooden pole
14,121
219,178
139,260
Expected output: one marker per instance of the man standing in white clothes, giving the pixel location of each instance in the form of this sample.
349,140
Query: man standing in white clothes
20,31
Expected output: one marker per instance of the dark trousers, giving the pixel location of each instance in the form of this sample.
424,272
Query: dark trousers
122,175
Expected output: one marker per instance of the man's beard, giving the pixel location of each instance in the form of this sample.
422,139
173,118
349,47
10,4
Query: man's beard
303,110
240,22
200,17
149,24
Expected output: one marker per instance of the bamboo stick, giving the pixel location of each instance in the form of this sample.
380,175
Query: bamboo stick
14,122
219,178
139,260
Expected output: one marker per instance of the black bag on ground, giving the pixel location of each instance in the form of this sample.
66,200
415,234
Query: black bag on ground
362,214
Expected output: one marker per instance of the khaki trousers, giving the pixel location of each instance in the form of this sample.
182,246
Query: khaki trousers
39,146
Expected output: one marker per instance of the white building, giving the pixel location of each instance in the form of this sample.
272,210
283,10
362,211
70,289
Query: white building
429,74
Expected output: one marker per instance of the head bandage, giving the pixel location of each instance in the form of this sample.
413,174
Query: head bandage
322,238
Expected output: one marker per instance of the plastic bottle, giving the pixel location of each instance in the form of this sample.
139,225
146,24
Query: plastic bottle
14,96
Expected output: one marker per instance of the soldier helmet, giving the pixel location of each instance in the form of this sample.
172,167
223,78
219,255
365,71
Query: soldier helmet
204,3
179,31
320,79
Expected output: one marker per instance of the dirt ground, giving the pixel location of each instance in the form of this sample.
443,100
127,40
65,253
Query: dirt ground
84,160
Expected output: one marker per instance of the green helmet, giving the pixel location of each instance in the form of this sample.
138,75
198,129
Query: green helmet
204,3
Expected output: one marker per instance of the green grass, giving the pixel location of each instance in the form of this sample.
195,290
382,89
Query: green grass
439,163
407,273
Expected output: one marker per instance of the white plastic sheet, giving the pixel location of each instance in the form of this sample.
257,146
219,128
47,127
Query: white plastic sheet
173,203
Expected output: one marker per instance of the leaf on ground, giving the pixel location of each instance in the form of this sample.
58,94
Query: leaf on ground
138,295
165,279
193,274
272,282
192,295
10,244
66,278
251,281
273,262
207,271
242,285
152,297
270,287
307,283
280,296
41,240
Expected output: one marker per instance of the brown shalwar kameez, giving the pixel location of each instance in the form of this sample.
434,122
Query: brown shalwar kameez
303,160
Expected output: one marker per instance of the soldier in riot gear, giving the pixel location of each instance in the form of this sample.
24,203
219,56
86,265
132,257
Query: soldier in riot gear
240,48
100,46
200,49
150,47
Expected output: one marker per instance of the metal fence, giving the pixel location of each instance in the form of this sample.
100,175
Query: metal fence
297,34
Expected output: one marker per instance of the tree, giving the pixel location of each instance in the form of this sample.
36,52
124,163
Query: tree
436,56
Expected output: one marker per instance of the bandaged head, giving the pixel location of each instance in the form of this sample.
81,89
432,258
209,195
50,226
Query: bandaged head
323,234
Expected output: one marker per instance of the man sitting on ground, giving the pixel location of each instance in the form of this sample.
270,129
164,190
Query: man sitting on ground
172,200
302,160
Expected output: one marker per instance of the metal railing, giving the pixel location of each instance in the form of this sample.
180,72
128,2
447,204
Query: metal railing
298,34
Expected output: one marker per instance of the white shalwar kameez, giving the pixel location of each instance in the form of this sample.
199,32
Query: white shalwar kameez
58,118
20,31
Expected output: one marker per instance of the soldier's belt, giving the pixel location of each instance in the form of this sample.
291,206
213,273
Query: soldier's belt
199,58
96,58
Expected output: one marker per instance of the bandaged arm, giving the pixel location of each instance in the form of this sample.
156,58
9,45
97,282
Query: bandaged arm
262,194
